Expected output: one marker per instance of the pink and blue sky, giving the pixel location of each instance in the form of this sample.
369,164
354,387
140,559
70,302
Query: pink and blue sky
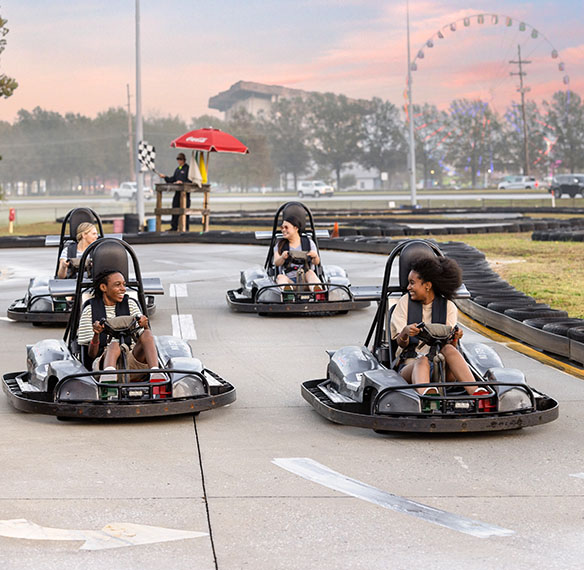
79,56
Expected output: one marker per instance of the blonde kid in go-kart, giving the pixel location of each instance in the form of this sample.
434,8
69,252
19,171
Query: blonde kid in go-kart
432,283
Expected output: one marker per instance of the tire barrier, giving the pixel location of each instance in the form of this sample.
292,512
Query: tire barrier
576,235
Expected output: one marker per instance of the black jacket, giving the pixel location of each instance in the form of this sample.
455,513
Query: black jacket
180,174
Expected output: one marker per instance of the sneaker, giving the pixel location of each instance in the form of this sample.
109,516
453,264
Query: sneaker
431,392
480,391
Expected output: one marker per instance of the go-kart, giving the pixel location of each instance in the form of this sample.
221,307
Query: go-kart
38,306
363,389
60,380
259,292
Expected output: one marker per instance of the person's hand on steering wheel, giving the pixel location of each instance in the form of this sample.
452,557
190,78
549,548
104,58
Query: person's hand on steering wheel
143,321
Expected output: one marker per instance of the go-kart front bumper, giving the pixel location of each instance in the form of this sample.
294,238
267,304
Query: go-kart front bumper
547,410
39,403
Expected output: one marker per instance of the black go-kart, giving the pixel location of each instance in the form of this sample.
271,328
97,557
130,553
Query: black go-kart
363,389
59,379
38,306
259,292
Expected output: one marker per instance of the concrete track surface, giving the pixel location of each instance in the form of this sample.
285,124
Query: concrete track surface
215,473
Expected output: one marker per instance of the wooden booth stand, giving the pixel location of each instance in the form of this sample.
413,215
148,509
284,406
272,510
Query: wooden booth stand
182,211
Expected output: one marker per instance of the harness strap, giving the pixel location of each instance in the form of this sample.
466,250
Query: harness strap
98,313
439,311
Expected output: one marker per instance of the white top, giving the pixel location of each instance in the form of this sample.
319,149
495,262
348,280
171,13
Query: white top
399,318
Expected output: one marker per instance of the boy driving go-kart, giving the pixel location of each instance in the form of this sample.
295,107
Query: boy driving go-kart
104,349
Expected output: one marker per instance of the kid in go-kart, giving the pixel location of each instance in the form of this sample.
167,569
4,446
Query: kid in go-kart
432,283
110,301
288,267
86,235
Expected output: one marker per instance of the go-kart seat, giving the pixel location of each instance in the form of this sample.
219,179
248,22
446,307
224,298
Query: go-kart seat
409,254
110,255
78,216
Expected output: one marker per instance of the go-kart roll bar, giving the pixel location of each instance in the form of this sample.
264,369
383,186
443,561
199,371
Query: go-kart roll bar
97,221
270,256
294,286
73,324
126,371
378,324
479,383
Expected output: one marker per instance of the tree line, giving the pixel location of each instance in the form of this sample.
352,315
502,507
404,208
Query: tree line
319,136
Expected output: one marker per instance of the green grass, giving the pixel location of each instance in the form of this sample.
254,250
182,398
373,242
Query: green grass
549,271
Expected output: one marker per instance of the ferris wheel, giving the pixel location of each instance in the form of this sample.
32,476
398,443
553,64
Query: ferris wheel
486,67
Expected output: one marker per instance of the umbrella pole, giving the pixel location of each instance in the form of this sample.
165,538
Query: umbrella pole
206,199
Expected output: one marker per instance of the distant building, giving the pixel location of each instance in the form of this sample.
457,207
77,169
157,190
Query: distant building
255,98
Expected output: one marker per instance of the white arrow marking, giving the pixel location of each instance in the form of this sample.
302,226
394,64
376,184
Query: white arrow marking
113,535
321,474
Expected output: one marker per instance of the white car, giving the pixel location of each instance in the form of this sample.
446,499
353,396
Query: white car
315,188
128,190
518,182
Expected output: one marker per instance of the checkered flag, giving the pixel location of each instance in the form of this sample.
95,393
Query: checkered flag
146,156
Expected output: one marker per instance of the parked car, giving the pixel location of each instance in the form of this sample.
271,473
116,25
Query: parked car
315,188
127,190
518,182
571,184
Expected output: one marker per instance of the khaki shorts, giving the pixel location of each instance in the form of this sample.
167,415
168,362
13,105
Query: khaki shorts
132,364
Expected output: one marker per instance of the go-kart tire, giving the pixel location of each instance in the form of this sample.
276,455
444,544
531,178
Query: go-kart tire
576,333
502,306
562,327
522,314
539,322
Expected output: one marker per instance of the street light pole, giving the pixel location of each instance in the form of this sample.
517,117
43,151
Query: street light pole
412,161
139,127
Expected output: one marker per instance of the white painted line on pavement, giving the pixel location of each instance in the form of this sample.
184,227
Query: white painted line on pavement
6,319
183,327
321,474
178,290
113,535
578,475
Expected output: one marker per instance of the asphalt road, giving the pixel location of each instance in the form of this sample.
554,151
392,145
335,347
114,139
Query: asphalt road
215,473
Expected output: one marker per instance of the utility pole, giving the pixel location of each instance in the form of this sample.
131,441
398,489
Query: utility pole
130,141
523,91
412,154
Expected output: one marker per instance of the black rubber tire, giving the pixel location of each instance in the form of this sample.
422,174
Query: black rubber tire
539,322
522,314
562,327
484,300
504,305
576,333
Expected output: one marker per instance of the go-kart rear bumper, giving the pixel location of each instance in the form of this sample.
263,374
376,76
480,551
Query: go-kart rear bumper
39,404
431,424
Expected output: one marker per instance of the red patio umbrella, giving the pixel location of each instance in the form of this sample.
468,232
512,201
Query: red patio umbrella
210,140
